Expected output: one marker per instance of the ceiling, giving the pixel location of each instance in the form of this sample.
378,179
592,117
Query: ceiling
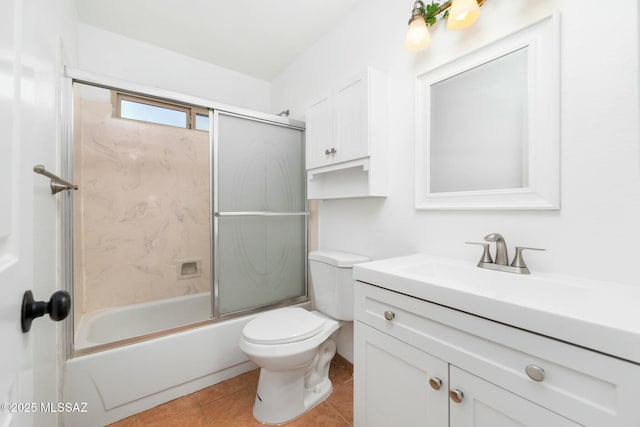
256,38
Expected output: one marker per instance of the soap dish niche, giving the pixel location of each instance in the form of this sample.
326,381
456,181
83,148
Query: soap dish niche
189,268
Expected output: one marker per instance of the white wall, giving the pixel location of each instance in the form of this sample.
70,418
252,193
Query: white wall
113,55
597,230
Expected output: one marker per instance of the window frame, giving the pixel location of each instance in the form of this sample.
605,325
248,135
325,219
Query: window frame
191,112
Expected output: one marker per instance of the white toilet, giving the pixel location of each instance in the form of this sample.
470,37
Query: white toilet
293,347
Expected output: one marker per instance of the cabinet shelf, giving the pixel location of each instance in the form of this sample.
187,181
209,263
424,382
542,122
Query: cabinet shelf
359,163
352,179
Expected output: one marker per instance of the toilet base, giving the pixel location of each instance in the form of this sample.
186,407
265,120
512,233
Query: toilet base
285,395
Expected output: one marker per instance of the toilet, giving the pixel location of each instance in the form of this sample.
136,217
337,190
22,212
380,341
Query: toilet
293,346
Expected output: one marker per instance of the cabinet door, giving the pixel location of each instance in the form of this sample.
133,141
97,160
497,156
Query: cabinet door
351,120
319,134
391,385
486,405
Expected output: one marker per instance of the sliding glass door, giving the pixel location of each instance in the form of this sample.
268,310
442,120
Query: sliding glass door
260,217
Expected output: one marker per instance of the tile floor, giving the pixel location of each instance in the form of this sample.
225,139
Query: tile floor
230,403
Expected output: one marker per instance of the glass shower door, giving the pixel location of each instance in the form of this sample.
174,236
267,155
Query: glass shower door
260,217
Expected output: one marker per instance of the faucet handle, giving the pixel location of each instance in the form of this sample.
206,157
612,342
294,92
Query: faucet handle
518,260
486,255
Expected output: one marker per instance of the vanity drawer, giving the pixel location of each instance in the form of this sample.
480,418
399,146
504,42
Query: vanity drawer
592,388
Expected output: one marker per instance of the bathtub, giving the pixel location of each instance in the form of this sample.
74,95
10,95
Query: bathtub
122,381
122,323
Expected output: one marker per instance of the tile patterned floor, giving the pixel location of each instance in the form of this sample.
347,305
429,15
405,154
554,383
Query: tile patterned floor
230,403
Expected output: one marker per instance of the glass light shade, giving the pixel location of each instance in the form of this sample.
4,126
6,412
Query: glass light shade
418,36
463,13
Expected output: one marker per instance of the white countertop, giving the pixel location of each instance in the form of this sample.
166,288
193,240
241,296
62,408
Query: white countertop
602,316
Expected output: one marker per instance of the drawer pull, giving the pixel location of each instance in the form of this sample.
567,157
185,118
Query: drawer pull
435,383
456,395
389,315
535,372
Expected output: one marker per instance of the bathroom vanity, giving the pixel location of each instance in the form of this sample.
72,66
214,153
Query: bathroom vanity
440,342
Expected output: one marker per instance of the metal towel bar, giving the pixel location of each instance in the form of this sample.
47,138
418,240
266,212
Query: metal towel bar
57,184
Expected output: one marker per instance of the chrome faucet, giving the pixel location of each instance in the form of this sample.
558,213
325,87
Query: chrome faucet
502,258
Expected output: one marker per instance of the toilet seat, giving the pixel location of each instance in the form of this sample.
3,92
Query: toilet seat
283,326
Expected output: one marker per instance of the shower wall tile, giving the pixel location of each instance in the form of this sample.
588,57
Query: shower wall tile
142,206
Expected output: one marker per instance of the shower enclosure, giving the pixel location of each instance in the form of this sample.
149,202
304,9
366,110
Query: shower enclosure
186,214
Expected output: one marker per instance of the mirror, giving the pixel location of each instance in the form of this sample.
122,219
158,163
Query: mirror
487,126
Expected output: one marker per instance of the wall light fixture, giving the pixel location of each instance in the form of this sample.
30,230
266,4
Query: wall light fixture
458,13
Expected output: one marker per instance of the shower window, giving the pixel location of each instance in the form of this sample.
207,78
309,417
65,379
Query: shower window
201,122
150,110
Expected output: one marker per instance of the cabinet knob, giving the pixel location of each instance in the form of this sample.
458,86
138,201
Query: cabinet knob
435,383
389,315
456,395
535,372
327,152
333,150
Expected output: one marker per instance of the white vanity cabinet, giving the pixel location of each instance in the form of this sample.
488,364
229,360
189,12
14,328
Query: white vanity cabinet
488,405
346,139
504,376
392,382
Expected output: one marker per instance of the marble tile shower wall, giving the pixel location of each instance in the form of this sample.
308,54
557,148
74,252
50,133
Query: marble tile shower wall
143,205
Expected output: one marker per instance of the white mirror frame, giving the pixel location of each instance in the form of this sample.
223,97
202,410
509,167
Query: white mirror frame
541,40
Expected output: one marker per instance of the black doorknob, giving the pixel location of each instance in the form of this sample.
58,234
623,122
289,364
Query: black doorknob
58,308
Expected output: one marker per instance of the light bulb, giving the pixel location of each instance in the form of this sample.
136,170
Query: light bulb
462,14
418,36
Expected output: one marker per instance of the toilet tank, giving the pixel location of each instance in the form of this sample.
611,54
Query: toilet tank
332,282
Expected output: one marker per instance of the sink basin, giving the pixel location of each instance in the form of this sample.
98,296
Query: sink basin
593,314
500,284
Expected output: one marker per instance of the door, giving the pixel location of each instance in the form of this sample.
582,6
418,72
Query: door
260,223
319,134
351,110
484,404
397,384
29,363
15,234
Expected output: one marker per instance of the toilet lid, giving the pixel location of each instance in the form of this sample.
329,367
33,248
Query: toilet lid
285,325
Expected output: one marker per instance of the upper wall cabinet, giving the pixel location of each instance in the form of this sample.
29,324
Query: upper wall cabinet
346,140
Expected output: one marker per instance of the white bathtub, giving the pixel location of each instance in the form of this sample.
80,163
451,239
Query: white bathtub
122,381
121,323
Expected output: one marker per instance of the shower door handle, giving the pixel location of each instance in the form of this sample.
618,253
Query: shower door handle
58,308
260,213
